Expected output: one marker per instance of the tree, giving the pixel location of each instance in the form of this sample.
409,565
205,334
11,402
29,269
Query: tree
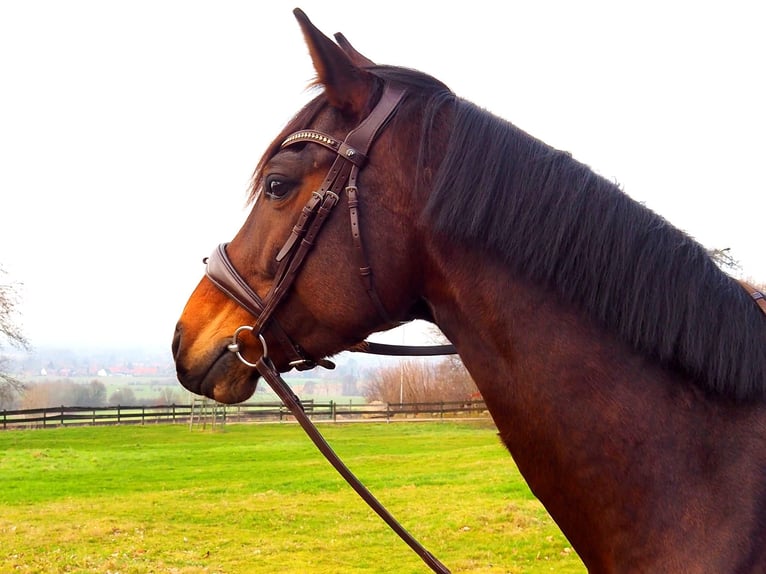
168,396
421,381
10,333
122,397
725,259
60,392
92,394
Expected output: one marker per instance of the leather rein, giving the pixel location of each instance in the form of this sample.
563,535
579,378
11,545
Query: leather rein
342,177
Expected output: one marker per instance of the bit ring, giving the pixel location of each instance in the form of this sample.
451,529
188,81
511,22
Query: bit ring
234,346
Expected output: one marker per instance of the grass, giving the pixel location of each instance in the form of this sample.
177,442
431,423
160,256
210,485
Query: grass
259,498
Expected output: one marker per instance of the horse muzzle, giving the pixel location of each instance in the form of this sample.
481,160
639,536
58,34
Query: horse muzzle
216,373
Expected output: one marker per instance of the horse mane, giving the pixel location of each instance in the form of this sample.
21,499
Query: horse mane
557,223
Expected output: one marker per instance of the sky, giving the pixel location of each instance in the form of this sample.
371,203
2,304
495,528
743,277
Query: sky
129,130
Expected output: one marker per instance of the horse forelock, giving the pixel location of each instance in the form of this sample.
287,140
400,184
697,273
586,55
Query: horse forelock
557,223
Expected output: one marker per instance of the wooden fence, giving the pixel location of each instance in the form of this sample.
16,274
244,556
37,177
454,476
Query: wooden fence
204,412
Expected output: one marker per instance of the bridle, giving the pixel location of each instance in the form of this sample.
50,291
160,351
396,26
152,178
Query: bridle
351,155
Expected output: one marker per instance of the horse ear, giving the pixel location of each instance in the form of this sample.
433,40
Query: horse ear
351,52
347,86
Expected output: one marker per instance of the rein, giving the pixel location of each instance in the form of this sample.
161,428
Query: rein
342,176
284,392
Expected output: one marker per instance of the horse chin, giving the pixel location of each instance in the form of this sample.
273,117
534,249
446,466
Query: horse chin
226,380
234,391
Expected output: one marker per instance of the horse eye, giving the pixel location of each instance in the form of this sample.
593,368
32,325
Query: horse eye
276,187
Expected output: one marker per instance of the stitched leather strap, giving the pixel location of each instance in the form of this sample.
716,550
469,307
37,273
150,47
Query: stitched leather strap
352,155
365,271
404,350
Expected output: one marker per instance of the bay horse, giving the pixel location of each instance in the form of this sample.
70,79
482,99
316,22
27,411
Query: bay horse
625,372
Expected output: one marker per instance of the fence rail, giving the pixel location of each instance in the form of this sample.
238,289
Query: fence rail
209,412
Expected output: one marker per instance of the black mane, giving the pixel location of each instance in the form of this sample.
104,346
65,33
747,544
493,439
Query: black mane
558,224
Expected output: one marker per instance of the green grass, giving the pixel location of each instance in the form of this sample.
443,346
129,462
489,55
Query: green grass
260,499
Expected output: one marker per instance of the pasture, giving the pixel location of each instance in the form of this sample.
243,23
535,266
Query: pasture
259,498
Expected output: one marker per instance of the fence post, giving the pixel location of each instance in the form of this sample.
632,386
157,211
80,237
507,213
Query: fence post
388,413
173,412
62,415
332,410
118,414
5,418
143,410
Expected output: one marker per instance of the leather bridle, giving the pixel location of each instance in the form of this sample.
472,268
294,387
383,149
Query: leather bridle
351,155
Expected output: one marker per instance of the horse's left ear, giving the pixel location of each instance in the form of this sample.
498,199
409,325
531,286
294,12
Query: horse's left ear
347,86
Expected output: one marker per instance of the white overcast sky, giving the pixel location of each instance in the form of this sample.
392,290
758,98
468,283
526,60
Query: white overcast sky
129,130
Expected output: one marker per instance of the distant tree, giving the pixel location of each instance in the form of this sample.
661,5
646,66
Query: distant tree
123,396
168,396
10,333
92,394
421,380
37,396
725,259
730,264
309,387
348,375
46,394
418,381
97,393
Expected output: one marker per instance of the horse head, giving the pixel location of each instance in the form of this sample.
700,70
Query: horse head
348,158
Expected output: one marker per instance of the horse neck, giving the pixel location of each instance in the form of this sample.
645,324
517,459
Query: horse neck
572,406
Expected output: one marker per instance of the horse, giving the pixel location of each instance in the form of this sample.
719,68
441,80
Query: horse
624,370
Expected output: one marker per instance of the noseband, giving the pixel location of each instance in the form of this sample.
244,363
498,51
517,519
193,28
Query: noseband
351,155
